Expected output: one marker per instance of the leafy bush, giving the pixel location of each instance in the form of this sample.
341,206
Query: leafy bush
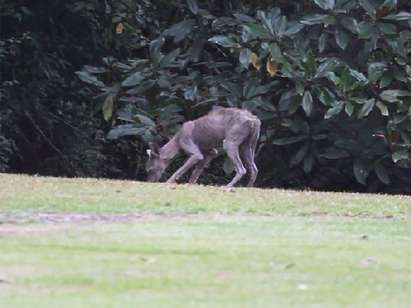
85,85
331,81
46,124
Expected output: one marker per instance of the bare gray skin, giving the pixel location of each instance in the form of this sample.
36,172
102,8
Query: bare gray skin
236,130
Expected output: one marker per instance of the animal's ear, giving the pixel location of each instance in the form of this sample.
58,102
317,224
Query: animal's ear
154,148
151,154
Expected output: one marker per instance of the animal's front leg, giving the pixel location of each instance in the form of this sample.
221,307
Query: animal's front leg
194,159
199,168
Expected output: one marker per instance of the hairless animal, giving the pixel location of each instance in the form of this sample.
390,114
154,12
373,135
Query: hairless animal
236,130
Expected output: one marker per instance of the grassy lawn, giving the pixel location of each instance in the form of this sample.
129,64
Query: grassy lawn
86,243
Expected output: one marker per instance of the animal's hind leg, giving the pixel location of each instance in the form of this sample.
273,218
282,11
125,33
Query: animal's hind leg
247,150
247,154
237,135
232,149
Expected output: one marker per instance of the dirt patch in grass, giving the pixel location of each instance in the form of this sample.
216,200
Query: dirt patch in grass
67,218
61,218
399,216
50,217
12,230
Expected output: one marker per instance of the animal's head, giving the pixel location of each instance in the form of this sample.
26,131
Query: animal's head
155,165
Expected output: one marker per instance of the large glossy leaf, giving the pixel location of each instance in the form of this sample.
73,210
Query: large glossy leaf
393,96
307,103
400,155
108,106
224,41
383,108
366,108
389,4
382,174
386,80
332,112
191,93
309,65
325,4
280,25
169,58
350,24
193,6
399,17
275,52
90,79
308,163
288,140
268,20
299,156
387,28
133,80
367,30
142,87
358,75
325,68
349,108
375,71
369,7
244,18
252,90
360,171
293,28
342,38
254,31
322,42
181,30
314,19
335,153
288,70
125,130
245,57
286,99
94,69
145,120
232,89
155,47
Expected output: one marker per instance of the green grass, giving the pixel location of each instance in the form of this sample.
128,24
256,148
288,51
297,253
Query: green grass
22,194
197,246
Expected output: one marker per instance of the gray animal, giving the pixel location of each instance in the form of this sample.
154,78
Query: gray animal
236,130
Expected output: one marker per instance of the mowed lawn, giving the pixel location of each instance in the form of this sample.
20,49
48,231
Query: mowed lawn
100,243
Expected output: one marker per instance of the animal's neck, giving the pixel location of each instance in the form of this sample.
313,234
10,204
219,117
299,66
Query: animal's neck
170,149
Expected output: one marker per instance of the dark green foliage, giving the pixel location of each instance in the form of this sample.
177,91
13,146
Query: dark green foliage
47,123
331,81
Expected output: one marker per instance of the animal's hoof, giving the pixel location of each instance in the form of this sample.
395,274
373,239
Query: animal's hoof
229,189
171,185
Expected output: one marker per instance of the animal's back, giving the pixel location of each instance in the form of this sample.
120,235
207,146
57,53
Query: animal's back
231,116
210,130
